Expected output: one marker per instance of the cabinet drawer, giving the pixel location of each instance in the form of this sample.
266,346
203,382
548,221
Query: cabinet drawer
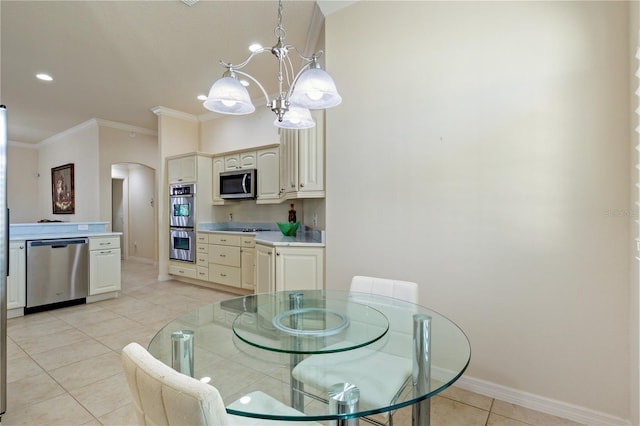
101,243
183,272
248,242
202,259
202,248
202,238
225,239
227,275
202,273
224,255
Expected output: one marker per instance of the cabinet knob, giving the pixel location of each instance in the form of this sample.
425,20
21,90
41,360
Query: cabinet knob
302,185
277,254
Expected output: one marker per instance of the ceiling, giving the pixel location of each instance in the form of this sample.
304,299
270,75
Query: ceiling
116,60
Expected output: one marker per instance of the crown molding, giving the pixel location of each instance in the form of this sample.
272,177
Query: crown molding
69,131
315,28
160,111
22,145
126,127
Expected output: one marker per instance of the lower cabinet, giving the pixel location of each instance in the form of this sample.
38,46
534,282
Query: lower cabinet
104,265
289,268
16,281
248,262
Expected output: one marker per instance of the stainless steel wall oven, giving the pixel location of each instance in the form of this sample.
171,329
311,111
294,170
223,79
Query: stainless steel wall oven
182,211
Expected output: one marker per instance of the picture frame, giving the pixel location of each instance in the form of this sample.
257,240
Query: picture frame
63,189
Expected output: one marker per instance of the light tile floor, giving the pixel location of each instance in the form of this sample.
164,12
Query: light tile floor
64,365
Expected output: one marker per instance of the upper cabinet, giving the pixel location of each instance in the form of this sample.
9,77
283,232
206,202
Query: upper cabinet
268,161
182,170
302,165
294,169
194,168
243,160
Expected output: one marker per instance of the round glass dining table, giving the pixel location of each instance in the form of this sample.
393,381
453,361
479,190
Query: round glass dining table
292,345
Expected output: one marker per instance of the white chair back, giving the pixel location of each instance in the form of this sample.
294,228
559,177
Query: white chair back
403,290
399,339
162,396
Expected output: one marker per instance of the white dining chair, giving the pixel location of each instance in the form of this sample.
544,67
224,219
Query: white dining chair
163,396
381,373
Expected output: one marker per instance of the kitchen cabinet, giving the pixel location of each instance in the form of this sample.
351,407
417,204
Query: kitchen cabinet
104,265
302,161
268,165
224,259
182,170
265,280
289,268
247,262
202,257
194,168
242,160
217,168
16,281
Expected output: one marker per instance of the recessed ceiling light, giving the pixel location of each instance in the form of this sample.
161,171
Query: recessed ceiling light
202,97
254,47
44,77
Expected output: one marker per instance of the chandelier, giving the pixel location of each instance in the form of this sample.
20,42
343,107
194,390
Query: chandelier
310,88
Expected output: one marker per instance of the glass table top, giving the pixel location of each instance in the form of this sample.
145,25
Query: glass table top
307,322
256,343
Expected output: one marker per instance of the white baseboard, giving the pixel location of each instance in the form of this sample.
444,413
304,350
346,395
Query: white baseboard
540,403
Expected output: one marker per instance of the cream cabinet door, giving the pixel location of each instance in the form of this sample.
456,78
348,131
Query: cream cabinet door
265,269
104,271
248,268
311,161
243,160
268,161
16,281
217,168
299,268
183,169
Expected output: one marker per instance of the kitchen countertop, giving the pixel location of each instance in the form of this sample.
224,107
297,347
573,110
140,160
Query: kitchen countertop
268,234
55,230
25,237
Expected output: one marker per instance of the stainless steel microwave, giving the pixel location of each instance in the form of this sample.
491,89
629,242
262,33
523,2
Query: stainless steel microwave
238,184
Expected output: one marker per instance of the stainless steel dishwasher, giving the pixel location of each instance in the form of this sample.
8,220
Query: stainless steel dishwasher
57,273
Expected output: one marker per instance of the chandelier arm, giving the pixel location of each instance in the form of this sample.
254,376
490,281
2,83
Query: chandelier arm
311,58
241,65
264,92
295,80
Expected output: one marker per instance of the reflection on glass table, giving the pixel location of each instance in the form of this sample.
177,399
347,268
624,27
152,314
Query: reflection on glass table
297,346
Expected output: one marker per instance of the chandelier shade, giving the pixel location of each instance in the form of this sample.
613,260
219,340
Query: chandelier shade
229,96
296,118
315,89
309,88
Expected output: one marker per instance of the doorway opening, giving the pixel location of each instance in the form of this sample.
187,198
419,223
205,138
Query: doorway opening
133,210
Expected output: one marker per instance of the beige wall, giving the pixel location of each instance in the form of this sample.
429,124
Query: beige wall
634,293
232,133
23,177
122,146
80,147
491,144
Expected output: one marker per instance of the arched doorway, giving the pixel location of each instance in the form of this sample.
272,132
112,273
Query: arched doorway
134,210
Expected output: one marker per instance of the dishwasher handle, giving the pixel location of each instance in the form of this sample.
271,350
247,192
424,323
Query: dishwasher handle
57,243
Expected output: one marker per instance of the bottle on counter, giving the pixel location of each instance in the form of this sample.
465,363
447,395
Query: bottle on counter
292,214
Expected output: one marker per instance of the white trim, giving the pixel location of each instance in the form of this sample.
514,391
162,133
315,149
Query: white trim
540,403
126,127
23,145
58,136
315,28
160,110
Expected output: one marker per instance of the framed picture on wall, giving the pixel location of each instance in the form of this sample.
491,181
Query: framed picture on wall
62,190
